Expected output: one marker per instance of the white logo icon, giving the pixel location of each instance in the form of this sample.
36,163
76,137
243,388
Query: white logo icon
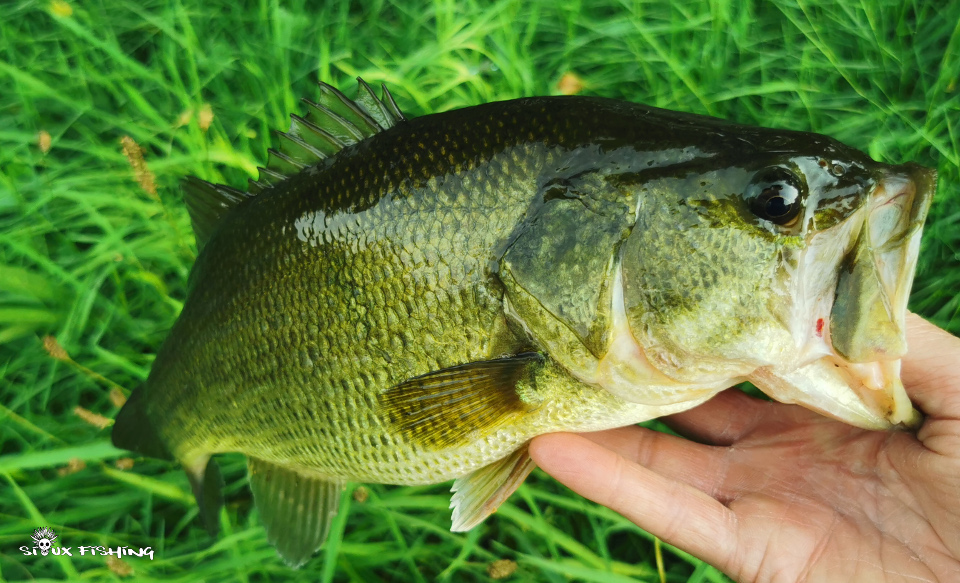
44,537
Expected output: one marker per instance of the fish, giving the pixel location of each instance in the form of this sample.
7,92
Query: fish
410,300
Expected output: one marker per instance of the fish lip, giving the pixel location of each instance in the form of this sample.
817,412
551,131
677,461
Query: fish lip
911,188
879,383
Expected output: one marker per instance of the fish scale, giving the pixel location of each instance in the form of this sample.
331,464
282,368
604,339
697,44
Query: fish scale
413,289
409,301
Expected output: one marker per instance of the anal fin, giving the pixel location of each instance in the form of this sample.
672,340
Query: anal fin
447,407
479,494
207,485
296,509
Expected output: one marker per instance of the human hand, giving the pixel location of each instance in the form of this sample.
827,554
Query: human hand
777,493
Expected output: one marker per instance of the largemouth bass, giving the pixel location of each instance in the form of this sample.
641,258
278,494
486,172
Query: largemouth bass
409,301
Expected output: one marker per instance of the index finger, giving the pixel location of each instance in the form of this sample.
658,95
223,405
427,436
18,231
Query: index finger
931,368
671,509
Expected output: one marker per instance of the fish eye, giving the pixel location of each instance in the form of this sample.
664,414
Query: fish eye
775,194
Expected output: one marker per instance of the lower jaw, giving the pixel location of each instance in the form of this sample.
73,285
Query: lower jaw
878,383
867,395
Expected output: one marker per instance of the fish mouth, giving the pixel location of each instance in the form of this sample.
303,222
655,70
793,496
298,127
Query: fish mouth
850,368
867,322
870,305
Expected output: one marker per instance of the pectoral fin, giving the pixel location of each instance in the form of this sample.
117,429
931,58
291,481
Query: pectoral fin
296,509
479,494
444,408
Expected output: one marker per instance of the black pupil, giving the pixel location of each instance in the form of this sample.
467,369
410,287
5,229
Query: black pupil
775,195
776,205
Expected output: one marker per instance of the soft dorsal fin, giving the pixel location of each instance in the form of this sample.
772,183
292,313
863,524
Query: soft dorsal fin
329,125
206,203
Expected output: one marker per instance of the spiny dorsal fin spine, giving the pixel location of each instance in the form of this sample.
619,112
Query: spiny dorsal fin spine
254,187
367,99
344,132
317,138
285,165
387,98
329,125
298,150
269,176
348,109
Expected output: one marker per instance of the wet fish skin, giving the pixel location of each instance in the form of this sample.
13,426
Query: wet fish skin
358,276
503,229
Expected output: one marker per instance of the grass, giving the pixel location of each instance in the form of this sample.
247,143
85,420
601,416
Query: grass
98,261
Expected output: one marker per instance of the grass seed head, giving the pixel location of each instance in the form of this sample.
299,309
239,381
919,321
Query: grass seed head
95,419
124,463
73,466
144,176
116,398
61,8
119,567
44,141
54,349
361,494
501,569
205,118
570,84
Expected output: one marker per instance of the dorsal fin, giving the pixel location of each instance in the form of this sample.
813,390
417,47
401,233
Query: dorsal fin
206,203
329,125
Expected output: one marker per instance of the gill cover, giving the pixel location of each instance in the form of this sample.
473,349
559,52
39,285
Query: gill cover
559,269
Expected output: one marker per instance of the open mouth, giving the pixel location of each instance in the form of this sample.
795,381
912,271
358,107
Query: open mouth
867,322
853,373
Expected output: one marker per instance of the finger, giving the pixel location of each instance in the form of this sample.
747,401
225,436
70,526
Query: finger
722,420
702,466
676,512
931,373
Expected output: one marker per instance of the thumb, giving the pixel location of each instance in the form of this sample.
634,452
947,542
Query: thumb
930,368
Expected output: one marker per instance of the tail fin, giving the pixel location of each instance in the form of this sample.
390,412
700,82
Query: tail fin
133,430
